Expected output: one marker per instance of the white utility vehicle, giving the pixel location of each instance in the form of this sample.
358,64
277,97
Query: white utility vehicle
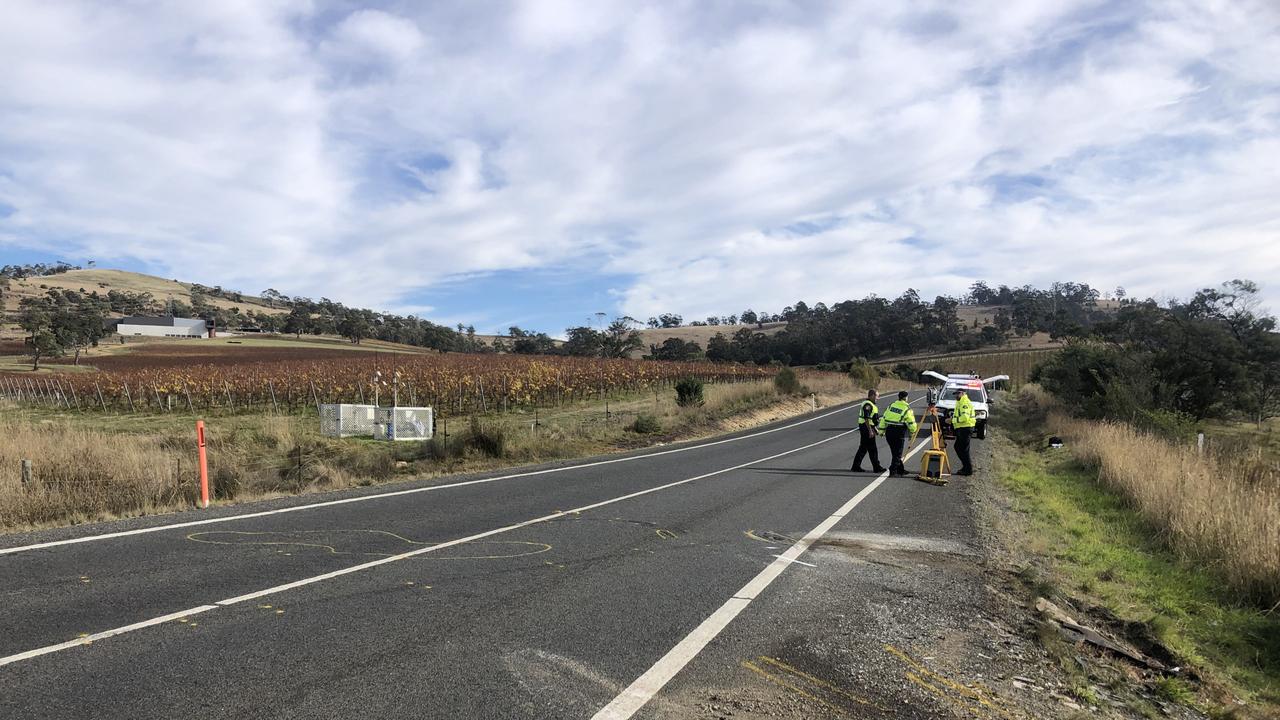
973,386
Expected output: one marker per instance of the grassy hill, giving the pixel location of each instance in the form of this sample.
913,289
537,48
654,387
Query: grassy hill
103,281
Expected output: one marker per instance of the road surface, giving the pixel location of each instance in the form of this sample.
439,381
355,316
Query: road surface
612,587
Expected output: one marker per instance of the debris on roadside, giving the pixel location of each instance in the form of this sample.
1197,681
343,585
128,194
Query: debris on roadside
1077,633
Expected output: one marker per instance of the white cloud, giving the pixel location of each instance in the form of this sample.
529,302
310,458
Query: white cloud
365,154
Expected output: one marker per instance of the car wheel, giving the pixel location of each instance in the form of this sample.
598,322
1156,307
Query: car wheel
982,430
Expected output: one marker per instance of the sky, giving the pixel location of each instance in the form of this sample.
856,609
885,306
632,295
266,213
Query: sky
534,163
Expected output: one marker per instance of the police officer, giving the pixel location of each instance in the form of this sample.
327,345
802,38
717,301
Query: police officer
895,423
868,416
963,421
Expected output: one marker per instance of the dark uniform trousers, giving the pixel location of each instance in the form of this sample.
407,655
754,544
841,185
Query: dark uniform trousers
963,435
896,436
866,446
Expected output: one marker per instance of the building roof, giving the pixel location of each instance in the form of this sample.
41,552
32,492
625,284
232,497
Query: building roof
161,321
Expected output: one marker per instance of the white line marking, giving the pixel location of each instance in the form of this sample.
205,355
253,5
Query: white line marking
105,634
379,496
798,562
413,553
655,678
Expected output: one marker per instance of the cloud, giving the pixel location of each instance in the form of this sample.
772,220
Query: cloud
709,157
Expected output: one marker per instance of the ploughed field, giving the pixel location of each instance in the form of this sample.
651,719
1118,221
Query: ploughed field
190,375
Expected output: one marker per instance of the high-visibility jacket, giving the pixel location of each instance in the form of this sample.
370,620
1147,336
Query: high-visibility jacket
899,413
964,417
868,414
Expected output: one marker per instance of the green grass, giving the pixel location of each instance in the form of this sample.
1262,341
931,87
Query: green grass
1101,549
21,364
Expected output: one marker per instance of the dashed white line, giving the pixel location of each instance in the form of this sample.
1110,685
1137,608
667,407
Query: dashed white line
655,678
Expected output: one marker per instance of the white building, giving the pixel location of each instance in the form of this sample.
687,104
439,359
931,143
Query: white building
162,327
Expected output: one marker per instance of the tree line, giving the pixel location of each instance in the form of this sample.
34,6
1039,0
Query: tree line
1168,367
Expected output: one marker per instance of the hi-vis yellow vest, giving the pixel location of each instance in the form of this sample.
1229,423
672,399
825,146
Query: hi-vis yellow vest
964,417
867,418
899,413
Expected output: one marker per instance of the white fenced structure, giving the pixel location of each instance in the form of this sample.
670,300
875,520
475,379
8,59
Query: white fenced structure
404,423
379,423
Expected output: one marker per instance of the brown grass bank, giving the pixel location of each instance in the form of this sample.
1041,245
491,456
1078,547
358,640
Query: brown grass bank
1222,511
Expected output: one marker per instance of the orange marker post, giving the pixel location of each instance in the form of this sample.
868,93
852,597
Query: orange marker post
204,465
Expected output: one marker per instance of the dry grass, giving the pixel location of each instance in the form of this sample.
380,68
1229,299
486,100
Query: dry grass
1218,511
81,475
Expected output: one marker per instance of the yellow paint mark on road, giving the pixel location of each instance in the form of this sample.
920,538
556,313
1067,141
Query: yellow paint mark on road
978,700
665,534
790,686
819,682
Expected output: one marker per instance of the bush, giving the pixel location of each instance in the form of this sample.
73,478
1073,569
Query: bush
646,424
488,441
906,372
786,382
863,374
689,392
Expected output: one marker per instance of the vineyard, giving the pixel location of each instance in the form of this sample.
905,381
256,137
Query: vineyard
292,381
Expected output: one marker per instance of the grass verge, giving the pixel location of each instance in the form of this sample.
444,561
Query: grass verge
1098,549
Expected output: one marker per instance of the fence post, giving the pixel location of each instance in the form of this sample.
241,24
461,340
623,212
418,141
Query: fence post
26,473
1200,443
204,465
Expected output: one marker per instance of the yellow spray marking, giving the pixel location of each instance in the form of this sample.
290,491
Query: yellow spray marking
819,682
967,708
977,696
264,607
793,688
665,534
279,612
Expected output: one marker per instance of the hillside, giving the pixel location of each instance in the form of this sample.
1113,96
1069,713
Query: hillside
700,334
103,281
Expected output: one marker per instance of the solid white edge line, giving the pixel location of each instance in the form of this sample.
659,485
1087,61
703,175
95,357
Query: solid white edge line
395,493
88,639
413,553
645,687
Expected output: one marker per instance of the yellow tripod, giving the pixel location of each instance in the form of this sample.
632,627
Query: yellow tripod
935,467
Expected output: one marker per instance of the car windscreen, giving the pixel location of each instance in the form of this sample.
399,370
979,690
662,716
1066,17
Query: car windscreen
975,394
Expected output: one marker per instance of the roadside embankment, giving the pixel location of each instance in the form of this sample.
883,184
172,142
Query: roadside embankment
1172,552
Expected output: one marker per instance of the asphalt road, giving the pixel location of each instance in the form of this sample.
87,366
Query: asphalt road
543,592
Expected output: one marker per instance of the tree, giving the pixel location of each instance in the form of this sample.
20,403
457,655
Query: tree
530,343
748,317
583,342
297,321
670,320
675,349
620,339
354,326
44,341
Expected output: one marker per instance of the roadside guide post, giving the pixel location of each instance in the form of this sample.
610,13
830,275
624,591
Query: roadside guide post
204,465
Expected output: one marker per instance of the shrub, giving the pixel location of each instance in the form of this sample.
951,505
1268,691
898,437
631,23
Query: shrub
488,441
863,374
646,424
905,371
786,382
689,392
